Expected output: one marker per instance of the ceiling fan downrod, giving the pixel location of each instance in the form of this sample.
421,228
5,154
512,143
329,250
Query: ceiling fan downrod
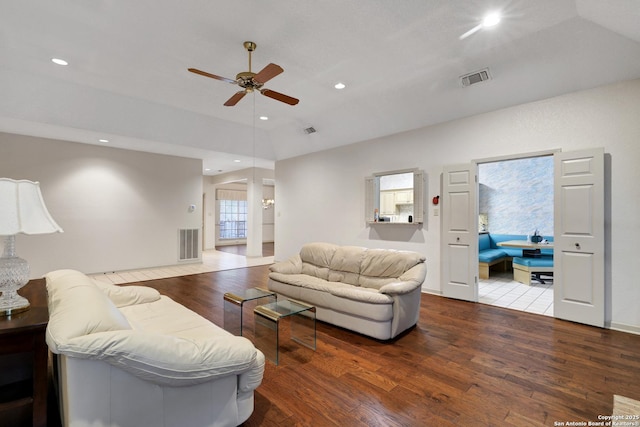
250,46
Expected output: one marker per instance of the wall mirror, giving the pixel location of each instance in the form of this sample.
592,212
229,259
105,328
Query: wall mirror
395,197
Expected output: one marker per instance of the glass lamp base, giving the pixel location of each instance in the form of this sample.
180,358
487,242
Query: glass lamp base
13,304
14,274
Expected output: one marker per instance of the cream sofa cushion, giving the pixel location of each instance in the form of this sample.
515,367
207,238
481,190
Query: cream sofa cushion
168,317
357,293
292,265
316,259
337,289
165,359
388,262
77,307
123,296
309,282
345,265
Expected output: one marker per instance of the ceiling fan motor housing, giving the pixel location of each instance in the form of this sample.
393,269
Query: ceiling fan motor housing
245,80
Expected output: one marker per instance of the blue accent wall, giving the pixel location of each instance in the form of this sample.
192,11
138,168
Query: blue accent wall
517,195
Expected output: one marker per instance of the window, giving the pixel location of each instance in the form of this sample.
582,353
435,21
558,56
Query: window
233,219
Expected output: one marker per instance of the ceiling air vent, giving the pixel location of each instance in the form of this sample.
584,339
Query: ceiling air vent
475,77
309,130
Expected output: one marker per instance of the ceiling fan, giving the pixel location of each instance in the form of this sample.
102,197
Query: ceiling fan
250,81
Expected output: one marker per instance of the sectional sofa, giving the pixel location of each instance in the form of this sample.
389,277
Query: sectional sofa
490,254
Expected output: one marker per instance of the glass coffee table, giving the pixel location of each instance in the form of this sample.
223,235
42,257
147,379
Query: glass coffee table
234,305
267,320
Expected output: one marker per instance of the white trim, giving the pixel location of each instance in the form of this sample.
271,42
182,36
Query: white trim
396,172
517,156
431,292
225,194
623,327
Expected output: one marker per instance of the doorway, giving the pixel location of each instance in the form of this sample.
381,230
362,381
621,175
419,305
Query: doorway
515,201
578,260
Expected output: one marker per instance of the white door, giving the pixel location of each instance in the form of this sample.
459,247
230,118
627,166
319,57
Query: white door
579,293
459,243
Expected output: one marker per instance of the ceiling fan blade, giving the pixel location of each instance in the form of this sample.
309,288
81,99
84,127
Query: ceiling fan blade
213,76
279,96
235,98
267,73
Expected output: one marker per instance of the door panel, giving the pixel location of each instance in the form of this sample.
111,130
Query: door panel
579,237
459,243
459,255
576,209
458,213
578,287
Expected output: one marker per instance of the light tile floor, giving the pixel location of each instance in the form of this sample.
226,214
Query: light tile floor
501,290
212,260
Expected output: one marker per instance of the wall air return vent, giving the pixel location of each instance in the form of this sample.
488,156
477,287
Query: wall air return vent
475,77
188,244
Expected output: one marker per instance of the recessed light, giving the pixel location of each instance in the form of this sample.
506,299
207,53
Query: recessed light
236,161
103,140
339,85
491,20
207,169
264,118
59,61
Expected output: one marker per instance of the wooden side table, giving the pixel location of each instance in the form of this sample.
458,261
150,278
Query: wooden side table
23,398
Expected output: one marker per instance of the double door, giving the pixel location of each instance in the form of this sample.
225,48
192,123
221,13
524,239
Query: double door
579,278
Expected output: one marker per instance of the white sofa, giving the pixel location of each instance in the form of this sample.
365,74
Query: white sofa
128,356
375,292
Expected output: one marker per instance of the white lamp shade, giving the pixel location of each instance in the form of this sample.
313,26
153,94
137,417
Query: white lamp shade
22,209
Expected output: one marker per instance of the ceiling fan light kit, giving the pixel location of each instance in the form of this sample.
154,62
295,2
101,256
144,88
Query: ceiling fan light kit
250,81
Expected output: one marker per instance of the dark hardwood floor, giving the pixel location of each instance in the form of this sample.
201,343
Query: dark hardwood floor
464,364
267,249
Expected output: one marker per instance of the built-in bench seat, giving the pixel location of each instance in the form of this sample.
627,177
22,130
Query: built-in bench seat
500,257
488,258
523,267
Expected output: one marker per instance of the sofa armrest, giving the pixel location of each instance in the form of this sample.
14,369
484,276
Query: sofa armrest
292,265
168,360
250,380
409,281
417,274
399,288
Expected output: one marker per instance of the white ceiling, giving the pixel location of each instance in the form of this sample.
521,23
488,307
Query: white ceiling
401,60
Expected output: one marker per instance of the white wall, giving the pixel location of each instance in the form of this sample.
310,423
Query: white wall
320,196
119,209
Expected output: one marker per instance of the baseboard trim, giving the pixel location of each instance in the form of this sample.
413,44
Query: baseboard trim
622,327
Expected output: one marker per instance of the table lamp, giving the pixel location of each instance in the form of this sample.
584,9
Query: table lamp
22,210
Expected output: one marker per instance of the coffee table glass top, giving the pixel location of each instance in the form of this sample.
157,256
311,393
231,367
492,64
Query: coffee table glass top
234,307
249,295
282,308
